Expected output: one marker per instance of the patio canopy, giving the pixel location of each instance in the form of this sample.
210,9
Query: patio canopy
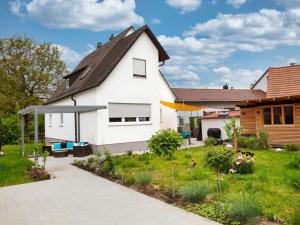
44,109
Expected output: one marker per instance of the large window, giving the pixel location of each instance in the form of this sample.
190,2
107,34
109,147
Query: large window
289,115
61,120
139,67
129,113
267,116
278,115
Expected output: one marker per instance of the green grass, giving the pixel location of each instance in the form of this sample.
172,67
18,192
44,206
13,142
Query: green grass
268,183
13,166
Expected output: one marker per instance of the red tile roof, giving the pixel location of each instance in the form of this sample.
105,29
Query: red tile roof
216,95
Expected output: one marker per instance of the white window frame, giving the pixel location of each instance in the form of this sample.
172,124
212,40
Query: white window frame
67,83
145,68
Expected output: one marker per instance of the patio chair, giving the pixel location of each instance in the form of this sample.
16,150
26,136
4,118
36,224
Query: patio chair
70,146
58,151
81,149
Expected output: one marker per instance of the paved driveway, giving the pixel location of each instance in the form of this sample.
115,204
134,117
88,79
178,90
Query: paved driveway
76,197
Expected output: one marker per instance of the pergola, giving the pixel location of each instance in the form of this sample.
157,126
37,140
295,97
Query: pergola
44,109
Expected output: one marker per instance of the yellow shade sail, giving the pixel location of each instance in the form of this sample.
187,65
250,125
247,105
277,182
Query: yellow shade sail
181,106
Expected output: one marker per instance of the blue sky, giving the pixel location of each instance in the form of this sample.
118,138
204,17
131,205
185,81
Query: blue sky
210,42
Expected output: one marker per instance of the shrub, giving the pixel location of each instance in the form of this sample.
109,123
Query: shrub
262,140
129,153
295,163
244,163
291,147
107,168
245,209
195,192
247,142
210,141
11,130
143,178
295,218
215,211
144,157
219,160
294,181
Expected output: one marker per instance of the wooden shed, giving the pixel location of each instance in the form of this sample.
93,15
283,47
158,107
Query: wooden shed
278,116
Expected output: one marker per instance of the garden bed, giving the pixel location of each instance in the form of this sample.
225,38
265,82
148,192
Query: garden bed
273,184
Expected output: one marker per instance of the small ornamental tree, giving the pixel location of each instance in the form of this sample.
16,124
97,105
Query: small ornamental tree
233,130
220,161
165,143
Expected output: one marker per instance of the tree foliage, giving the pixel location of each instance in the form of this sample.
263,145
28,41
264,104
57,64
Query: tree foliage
29,72
165,142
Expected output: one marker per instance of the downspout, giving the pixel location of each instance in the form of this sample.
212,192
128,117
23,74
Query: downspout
75,117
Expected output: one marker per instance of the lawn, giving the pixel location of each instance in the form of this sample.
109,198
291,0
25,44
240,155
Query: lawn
13,166
269,183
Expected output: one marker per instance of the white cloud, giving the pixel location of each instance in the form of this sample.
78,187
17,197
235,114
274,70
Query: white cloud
241,78
236,3
257,31
72,57
80,14
155,21
185,5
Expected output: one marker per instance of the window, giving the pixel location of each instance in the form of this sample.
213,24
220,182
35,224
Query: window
67,83
267,116
50,120
85,72
61,120
130,119
115,120
277,115
289,115
129,112
139,67
144,119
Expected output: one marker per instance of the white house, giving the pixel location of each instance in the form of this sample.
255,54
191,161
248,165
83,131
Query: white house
122,74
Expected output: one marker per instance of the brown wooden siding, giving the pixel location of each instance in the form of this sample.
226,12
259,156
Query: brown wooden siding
248,121
283,81
278,134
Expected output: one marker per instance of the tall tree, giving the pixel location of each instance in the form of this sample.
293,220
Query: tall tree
29,73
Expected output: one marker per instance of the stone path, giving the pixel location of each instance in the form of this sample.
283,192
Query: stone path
76,197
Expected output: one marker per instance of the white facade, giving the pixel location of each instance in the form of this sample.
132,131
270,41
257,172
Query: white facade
215,123
120,87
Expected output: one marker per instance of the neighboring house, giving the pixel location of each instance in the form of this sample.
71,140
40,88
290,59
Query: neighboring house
212,100
278,113
122,74
218,120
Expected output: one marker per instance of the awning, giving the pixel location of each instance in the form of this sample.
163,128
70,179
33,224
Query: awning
181,106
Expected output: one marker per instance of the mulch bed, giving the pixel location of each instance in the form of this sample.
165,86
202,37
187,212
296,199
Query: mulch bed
38,174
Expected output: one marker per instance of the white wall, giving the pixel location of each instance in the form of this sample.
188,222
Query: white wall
88,121
122,87
262,84
168,116
215,123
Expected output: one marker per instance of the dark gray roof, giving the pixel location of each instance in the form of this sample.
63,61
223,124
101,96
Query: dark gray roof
102,61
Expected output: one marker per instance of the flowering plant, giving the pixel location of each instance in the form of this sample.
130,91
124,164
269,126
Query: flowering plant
243,163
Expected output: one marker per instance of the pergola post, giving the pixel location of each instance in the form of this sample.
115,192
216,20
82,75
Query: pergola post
22,135
36,136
